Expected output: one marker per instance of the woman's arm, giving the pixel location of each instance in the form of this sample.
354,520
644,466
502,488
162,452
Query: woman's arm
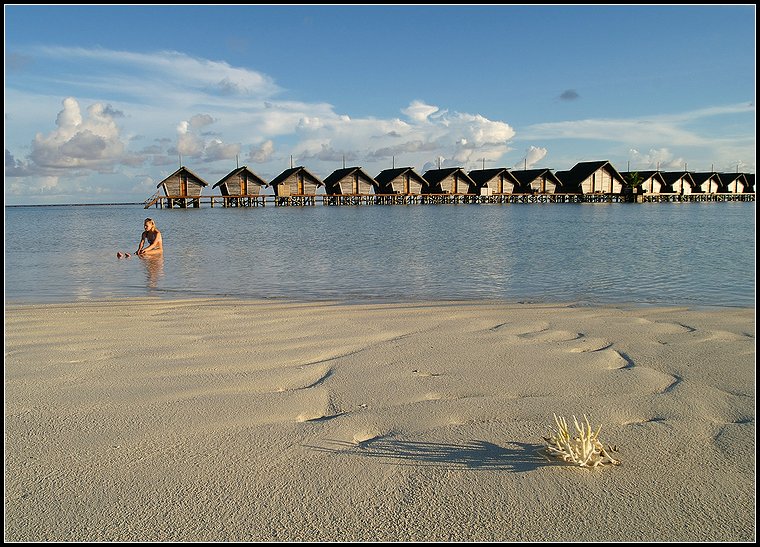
142,242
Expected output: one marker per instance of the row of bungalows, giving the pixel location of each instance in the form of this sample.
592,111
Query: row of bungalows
689,182
598,177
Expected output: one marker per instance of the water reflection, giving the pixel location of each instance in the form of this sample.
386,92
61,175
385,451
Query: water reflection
154,268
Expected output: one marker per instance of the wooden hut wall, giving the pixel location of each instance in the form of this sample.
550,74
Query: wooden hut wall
296,184
652,186
405,184
710,186
453,184
397,185
345,185
412,186
543,186
493,185
601,181
462,185
446,185
355,184
307,187
248,186
589,186
182,185
682,186
736,186
363,186
506,185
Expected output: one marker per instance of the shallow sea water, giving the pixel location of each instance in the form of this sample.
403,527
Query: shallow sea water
696,254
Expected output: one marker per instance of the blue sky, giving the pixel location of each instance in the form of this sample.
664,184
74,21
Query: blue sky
103,102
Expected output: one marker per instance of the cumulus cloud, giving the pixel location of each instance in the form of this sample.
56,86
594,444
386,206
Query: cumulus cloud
92,141
419,112
261,153
191,143
240,107
188,143
33,186
14,167
461,138
217,150
200,120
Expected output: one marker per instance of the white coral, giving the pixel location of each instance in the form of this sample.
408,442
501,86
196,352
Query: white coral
584,449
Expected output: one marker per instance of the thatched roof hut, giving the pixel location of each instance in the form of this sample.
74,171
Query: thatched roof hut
401,180
707,182
182,183
652,182
452,180
678,182
592,177
539,181
499,180
241,182
750,178
296,181
350,181
734,183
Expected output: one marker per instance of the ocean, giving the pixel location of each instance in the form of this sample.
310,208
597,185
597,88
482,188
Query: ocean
691,254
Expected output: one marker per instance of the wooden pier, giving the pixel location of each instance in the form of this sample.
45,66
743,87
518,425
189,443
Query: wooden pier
261,200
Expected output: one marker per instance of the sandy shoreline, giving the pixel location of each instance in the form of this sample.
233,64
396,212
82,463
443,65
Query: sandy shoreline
233,420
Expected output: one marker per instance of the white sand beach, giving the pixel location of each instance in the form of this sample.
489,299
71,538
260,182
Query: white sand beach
268,420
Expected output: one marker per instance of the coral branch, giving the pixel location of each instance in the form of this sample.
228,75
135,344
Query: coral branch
584,449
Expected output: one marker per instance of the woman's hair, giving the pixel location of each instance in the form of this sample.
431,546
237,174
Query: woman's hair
151,221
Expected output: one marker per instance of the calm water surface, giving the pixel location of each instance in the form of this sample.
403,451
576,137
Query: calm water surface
698,254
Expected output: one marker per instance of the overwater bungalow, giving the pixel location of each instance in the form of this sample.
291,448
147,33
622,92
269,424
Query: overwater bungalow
452,180
401,180
679,182
296,181
181,187
350,181
707,182
537,181
750,178
651,182
241,182
592,177
733,183
499,180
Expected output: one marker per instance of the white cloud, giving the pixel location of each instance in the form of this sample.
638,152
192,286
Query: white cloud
161,74
533,155
261,153
419,112
670,129
92,142
661,159
200,120
217,150
209,111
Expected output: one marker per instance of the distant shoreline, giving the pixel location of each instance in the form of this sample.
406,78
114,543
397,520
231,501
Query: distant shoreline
75,204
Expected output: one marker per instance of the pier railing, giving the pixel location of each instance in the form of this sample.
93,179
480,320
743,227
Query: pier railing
261,200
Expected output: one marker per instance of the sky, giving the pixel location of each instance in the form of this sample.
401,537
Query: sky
102,103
